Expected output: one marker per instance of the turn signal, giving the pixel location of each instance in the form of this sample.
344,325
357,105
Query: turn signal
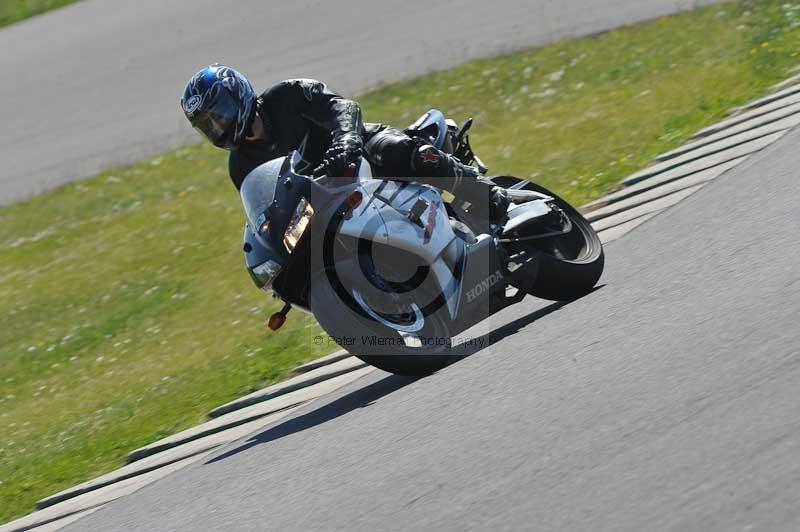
354,199
276,321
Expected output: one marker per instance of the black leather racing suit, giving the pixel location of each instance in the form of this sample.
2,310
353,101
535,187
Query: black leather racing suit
304,115
298,114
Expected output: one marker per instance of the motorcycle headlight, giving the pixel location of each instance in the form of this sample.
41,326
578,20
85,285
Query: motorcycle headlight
262,224
297,226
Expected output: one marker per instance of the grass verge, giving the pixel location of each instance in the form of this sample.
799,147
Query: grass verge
126,311
12,11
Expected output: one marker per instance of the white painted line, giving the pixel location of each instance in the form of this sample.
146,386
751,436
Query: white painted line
789,105
250,413
794,80
52,526
647,208
662,180
324,361
710,157
794,89
651,195
613,233
309,378
738,134
164,458
96,498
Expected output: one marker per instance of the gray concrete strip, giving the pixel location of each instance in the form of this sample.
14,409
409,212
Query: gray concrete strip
613,233
165,458
52,526
679,174
94,499
794,80
323,373
789,104
652,195
705,157
743,132
789,91
324,361
653,206
250,413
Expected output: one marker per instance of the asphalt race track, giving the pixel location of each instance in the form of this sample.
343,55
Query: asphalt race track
665,400
96,84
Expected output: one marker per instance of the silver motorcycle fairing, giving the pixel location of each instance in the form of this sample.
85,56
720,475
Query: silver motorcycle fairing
383,217
525,213
407,216
419,318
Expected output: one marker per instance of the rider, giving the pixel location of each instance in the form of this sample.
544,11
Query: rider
304,115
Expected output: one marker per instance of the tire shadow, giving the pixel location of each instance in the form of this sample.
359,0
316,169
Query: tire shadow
367,395
484,341
354,400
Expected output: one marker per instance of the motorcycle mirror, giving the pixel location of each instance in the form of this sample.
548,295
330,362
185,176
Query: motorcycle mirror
464,129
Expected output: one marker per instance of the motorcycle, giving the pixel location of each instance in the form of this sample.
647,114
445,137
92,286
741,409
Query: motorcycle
392,271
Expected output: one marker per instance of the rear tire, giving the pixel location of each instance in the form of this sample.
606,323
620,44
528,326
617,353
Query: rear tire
570,264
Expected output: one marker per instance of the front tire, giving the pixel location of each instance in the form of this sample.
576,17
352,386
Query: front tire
362,335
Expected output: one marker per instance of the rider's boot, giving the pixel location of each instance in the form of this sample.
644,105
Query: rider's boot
489,201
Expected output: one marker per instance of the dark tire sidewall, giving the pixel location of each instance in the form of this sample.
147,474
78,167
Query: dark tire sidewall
560,279
348,329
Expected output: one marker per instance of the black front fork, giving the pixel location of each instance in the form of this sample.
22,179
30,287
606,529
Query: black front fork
488,271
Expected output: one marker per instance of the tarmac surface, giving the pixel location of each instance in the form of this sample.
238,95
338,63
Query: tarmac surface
665,400
96,84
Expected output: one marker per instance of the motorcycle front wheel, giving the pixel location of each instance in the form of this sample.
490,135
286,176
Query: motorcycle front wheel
404,340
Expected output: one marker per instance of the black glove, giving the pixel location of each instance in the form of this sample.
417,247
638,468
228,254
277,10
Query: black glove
339,160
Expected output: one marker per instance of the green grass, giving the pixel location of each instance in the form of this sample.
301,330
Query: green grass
126,312
12,11
580,115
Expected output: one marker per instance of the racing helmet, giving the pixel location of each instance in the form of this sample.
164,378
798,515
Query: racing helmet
221,104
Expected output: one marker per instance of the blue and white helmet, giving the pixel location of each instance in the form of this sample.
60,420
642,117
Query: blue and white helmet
220,103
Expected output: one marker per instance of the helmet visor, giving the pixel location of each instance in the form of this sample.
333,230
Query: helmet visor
218,122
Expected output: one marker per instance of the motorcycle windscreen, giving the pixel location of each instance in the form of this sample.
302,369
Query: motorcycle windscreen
258,193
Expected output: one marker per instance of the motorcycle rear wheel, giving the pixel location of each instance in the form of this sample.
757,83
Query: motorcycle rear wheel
571,264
